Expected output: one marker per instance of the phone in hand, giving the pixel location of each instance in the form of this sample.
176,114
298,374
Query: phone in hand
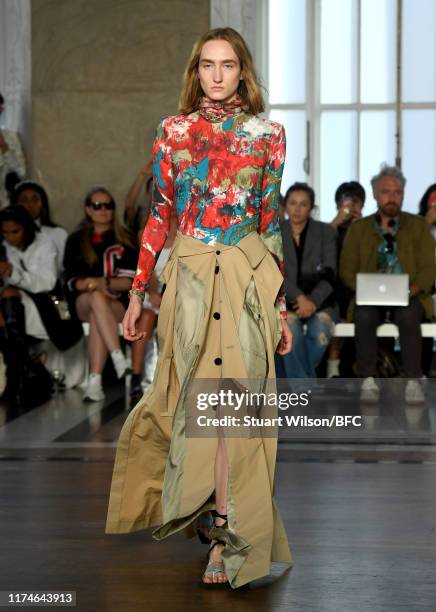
347,203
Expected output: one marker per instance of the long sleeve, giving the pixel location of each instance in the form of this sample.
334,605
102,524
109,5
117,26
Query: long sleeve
349,260
325,286
157,227
74,264
269,228
36,270
425,260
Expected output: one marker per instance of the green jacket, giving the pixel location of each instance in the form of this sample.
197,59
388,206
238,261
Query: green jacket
415,249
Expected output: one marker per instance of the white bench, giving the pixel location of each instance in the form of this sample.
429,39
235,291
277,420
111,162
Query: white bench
387,330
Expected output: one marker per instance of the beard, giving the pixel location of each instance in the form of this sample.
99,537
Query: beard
391,209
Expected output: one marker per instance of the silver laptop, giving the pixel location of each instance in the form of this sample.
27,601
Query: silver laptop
382,289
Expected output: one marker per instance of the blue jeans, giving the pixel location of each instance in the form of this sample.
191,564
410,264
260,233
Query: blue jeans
307,348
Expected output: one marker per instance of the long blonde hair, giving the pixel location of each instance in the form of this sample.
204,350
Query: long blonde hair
121,235
249,88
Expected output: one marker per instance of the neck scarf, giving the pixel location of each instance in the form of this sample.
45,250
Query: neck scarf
220,111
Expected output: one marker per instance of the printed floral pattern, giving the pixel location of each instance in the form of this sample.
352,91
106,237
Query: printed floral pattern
223,175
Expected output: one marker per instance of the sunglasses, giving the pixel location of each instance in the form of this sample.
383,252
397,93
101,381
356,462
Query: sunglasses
100,205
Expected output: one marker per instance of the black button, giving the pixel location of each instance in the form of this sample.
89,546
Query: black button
216,315
218,361
217,269
217,252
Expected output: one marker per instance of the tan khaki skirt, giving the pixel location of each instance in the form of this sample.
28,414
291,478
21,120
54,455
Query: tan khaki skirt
161,477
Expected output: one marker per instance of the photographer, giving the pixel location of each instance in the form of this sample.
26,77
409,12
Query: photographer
310,270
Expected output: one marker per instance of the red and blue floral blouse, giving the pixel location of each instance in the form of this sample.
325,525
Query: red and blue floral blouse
221,168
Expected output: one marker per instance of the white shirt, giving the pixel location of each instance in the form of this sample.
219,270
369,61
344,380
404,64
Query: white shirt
34,270
11,161
59,236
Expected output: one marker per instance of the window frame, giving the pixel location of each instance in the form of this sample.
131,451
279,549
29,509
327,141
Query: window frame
313,106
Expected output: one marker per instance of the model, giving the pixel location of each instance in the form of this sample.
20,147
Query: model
222,316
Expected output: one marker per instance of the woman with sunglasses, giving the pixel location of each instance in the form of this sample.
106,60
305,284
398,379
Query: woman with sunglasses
99,263
222,317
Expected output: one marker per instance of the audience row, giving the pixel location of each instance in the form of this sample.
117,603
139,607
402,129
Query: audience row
52,282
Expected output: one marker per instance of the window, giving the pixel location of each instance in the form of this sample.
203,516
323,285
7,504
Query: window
332,81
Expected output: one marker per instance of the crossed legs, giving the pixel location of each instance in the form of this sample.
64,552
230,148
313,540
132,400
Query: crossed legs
103,315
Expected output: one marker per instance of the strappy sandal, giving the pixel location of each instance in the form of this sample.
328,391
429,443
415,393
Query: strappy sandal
215,568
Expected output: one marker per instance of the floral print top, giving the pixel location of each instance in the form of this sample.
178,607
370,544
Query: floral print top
221,168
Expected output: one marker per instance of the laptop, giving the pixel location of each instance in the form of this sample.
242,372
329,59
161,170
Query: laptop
382,289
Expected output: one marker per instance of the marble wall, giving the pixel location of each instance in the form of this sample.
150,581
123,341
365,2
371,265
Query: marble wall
103,73
15,77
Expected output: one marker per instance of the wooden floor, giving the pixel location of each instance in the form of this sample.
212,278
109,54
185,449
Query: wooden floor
361,522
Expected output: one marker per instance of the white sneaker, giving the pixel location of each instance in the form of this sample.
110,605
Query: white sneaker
94,391
414,393
369,391
120,363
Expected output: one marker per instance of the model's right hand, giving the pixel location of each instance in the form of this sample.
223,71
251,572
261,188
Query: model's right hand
130,320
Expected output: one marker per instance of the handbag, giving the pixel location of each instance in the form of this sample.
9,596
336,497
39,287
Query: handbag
63,327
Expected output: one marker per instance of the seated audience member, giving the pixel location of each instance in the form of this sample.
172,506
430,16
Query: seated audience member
99,264
150,311
34,198
309,249
390,241
27,271
136,213
350,199
427,209
12,162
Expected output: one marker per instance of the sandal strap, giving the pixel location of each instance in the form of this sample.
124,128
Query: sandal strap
215,567
218,515
213,546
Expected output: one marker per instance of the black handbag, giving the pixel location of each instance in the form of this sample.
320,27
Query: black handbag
63,327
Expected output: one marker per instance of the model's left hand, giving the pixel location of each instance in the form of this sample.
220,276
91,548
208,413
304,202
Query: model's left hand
285,344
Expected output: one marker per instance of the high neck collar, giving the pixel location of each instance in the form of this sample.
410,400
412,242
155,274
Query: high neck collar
216,112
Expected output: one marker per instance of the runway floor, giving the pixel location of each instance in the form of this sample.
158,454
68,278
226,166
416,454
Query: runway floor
360,517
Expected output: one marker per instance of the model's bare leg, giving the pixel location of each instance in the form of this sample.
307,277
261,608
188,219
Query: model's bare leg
221,480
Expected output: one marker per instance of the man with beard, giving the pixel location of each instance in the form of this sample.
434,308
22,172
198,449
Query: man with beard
392,242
